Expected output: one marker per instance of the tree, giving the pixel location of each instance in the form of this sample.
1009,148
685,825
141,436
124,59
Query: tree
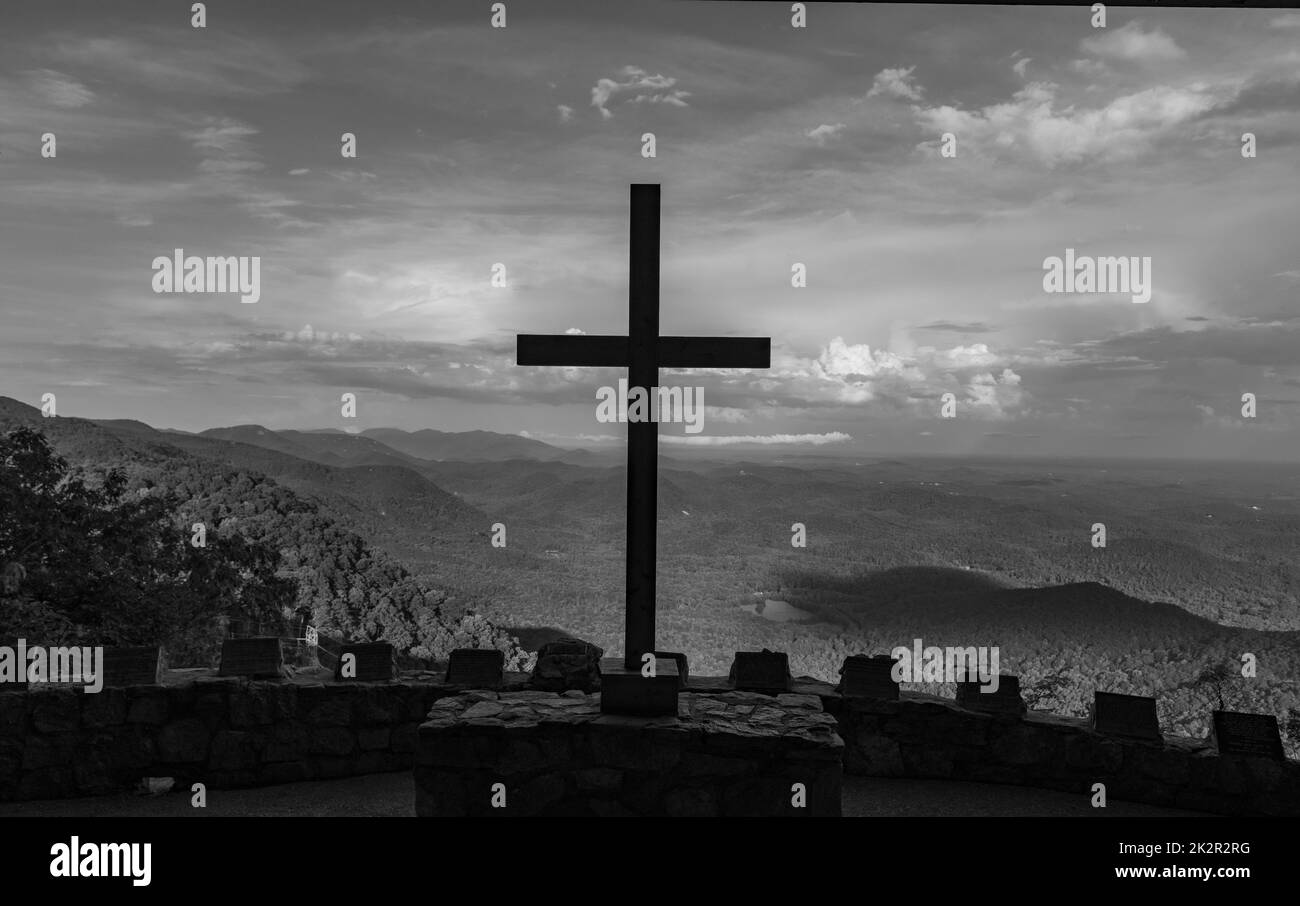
1217,679
1047,689
98,564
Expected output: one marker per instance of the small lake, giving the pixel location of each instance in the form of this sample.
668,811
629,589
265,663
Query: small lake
777,611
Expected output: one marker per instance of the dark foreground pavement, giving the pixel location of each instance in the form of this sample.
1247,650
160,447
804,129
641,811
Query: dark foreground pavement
393,795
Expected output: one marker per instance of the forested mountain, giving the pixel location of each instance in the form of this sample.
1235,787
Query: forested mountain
468,446
1199,569
351,587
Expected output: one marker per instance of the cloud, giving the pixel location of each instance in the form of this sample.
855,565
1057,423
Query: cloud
566,112
958,327
977,355
824,133
224,144
854,374
643,88
727,414
1020,65
58,89
995,395
1031,124
575,332
308,335
842,360
895,83
1286,20
299,171
1090,68
234,66
1132,43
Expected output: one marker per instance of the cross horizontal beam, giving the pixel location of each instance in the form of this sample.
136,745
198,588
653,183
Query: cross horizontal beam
714,352
565,349
584,350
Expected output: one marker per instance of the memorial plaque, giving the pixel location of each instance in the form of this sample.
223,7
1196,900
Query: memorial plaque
1133,716
259,657
1006,700
868,677
132,665
627,691
371,662
1249,735
761,671
476,668
683,674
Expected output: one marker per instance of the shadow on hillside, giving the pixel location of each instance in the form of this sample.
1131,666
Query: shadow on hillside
936,597
890,584
844,600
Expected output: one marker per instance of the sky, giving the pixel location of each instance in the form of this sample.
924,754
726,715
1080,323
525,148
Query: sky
774,146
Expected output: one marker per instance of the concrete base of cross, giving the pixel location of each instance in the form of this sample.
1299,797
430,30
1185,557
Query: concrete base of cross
629,691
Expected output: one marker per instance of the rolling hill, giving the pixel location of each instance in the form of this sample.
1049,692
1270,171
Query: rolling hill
469,446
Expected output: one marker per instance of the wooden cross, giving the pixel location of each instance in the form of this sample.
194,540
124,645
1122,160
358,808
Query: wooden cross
643,352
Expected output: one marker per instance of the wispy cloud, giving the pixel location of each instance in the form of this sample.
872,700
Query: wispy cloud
635,85
1133,44
896,83
824,133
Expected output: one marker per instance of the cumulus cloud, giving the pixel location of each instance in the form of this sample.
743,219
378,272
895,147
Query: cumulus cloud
640,88
824,133
840,359
575,331
1132,43
855,374
995,395
566,112
1020,65
1032,124
976,355
895,83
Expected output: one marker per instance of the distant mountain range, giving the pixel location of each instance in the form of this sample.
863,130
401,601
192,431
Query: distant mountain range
1199,568
470,446
345,533
392,446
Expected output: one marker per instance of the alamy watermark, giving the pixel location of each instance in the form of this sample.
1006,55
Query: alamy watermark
920,664
1108,274
658,404
75,859
192,274
39,664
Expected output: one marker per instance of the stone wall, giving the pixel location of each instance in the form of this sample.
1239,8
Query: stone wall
541,753
59,741
928,737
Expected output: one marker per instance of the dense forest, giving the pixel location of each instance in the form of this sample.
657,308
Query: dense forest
99,539
1200,568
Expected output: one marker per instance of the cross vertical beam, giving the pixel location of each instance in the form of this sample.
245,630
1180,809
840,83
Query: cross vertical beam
643,437
643,352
